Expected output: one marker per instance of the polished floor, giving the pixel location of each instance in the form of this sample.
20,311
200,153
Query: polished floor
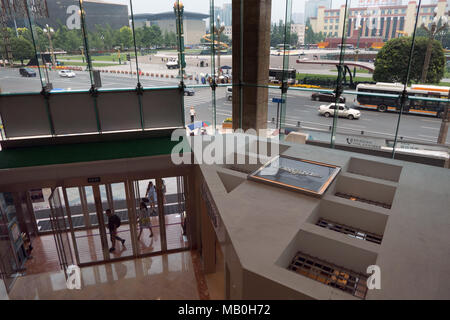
170,276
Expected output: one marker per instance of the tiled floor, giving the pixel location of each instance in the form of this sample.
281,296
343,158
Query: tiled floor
169,276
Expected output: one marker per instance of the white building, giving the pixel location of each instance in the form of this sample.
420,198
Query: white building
299,29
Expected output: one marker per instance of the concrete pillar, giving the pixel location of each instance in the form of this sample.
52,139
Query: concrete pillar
256,61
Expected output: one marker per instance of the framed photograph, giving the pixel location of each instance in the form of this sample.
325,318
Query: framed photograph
300,175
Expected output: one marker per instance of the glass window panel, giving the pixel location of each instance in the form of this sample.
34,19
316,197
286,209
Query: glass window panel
157,42
421,123
109,46
20,72
58,37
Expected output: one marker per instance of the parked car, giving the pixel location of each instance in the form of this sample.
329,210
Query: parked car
229,93
27,72
66,73
189,92
327,97
344,111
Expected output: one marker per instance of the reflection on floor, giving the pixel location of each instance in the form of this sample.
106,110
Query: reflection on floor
216,281
44,256
171,276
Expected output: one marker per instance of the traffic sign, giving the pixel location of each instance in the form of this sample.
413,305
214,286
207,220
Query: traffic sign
278,100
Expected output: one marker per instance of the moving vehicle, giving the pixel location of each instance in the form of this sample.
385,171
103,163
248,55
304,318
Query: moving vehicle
229,93
389,98
66,73
189,92
172,64
27,72
325,96
276,75
328,110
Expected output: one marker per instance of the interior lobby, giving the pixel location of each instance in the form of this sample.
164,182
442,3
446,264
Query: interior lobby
221,229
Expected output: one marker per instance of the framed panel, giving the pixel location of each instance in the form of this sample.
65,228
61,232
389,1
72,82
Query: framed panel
73,113
162,108
301,175
119,111
24,115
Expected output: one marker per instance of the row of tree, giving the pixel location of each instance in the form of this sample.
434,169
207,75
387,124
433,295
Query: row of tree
277,35
102,39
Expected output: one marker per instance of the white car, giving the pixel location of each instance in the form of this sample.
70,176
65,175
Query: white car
66,73
229,93
344,111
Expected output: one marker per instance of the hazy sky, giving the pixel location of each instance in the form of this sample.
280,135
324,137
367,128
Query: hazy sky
202,6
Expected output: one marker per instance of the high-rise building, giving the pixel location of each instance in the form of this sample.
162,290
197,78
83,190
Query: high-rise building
311,7
226,14
298,18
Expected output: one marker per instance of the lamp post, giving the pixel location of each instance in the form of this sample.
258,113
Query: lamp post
306,37
178,9
218,30
431,34
359,29
49,30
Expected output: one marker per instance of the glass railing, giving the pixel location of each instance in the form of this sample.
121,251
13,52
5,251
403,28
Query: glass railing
360,56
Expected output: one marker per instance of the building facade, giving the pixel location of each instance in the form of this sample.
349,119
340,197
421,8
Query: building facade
311,7
378,22
194,24
66,13
228,31
299,29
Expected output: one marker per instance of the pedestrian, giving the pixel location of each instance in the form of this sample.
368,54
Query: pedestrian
151,195
192,113
113,225
144,219
164,189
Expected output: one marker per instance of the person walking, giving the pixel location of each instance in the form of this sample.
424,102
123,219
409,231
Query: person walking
151,195
113,225
144,219
164,189
192,113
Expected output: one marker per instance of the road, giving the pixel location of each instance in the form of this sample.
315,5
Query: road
299,106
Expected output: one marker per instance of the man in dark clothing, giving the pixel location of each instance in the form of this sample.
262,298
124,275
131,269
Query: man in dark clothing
113,224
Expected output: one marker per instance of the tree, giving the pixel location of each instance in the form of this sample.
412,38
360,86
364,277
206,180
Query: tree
391,63
311,36
277,35
21,49
126,37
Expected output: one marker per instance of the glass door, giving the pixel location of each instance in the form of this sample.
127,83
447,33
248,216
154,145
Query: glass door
114,197
147,216
87,227
60,230
174,209
91,208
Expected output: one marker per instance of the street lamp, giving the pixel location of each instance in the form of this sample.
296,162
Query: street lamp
218,30
178,9
359,29
48,30
431,34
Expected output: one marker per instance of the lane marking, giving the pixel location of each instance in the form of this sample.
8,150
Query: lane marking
432,128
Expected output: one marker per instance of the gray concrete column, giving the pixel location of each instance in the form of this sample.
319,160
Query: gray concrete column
256,61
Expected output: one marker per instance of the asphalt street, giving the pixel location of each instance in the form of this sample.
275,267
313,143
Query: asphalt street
300,107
